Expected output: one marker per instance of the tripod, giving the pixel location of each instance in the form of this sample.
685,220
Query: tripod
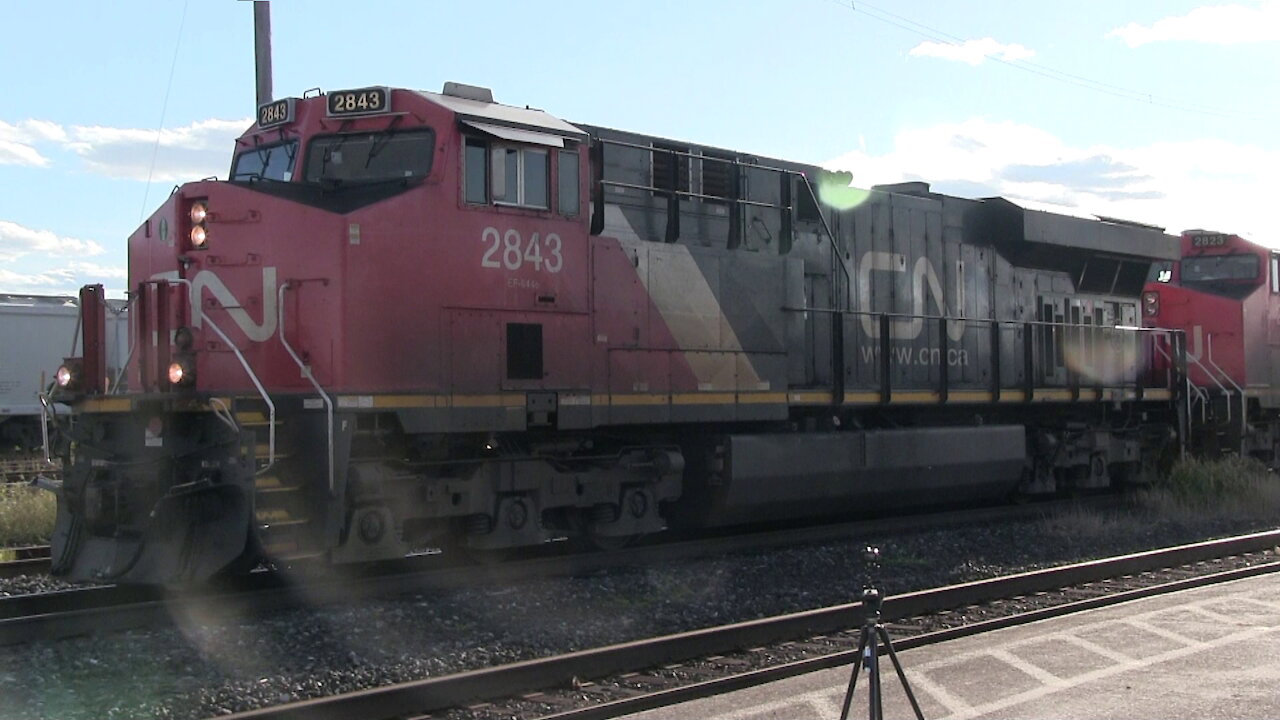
872,638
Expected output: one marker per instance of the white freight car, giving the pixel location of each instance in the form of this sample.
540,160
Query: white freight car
36,333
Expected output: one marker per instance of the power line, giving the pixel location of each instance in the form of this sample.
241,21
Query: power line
164,109
1044,71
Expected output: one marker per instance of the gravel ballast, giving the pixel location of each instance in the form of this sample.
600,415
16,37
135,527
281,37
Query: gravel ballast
197,669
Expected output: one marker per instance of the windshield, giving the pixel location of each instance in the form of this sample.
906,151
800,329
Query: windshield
366,157
1205,268
269,162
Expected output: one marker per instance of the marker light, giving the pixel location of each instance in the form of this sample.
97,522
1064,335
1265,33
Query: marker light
199,236
181,372
199,211
64,376
1151,303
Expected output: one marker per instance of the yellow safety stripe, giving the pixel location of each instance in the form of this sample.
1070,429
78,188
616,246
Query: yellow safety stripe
512,400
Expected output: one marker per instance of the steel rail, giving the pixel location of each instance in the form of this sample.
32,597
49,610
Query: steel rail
433,694
110,608
30,560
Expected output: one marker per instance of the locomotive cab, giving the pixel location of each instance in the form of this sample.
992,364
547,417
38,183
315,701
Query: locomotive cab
1224,292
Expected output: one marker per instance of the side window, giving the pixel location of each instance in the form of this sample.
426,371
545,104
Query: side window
474,170
512,175
567,189
518,176
1275,273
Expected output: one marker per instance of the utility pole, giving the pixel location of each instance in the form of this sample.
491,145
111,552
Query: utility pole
262,49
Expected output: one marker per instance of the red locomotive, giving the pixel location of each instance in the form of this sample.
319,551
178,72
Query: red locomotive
413,319
1224,293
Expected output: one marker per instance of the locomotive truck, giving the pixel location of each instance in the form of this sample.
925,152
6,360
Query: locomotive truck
411,319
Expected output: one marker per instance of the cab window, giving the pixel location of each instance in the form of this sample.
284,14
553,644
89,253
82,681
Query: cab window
268,162
370,156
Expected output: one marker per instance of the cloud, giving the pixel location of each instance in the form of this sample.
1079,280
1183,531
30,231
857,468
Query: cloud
972,52
17,142
201,149
1092,173
17,241
1215,24
115,272
64,280
1178,185
54,282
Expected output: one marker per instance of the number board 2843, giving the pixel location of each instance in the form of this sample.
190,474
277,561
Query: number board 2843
276,112
364,101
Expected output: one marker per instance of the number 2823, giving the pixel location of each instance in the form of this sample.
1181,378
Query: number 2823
509,250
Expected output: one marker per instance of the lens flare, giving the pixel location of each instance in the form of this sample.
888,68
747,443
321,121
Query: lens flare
834,190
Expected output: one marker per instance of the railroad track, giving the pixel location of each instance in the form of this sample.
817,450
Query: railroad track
35,559
26,469
87,610
28,560
613,681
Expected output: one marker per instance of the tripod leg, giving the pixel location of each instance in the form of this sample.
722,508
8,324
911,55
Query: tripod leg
875,700
863,638
902,675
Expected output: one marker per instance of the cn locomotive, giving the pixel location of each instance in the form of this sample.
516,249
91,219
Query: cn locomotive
1224,294
411,319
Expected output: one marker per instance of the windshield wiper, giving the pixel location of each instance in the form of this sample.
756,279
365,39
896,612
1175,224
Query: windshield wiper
328,153
381,141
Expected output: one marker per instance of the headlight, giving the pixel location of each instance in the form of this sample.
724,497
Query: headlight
68,375
198,213
182,372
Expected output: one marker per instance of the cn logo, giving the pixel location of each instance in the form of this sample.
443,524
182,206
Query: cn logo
207,280
922,275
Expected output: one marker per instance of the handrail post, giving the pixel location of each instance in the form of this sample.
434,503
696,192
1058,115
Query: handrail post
597,187
1028,362
306,373
943,380
162,335
995,361
886,385
673,198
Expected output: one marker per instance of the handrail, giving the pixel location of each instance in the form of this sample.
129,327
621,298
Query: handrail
306,373
271,406
46,410
133,345
1215,380
1244,426
1201,394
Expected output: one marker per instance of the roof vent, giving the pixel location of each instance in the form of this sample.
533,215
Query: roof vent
468,92
914,187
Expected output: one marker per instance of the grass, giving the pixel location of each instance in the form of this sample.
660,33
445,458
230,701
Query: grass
26,515
1217,496
1231,485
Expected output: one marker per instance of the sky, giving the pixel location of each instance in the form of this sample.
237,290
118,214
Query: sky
1159,112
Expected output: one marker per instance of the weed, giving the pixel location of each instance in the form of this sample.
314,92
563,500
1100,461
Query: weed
26,515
